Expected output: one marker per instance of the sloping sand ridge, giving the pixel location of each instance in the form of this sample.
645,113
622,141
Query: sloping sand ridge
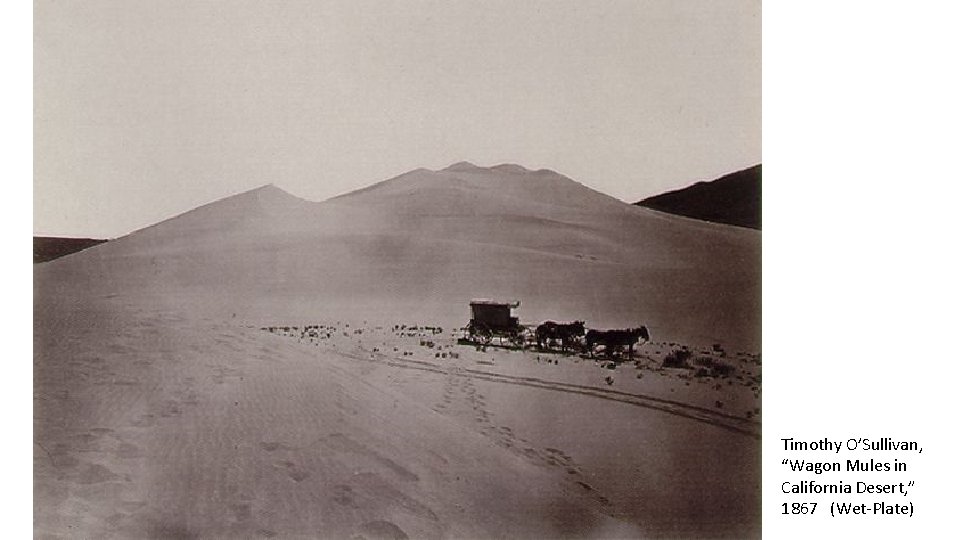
162,409
424,243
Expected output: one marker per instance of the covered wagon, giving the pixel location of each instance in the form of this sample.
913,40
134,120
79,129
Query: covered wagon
491,319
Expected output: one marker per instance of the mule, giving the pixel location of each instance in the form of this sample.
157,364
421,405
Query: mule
567,333
615,340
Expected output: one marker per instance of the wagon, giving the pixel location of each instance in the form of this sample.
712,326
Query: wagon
492,319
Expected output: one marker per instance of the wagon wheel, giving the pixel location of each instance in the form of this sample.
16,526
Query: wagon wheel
481,333
516,337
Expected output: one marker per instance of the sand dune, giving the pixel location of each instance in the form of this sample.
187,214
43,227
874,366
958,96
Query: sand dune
162,410
425,242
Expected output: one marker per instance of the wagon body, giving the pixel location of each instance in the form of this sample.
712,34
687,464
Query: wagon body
490,319
494,315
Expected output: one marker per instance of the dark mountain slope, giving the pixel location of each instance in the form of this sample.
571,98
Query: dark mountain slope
48,248
733,199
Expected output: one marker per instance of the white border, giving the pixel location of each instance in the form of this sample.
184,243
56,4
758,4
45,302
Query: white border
860,272
16,138
859,242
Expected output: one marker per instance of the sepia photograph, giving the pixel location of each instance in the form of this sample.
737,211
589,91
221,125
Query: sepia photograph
396,269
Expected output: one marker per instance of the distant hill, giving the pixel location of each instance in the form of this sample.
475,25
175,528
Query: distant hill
48,248
733,199
419,246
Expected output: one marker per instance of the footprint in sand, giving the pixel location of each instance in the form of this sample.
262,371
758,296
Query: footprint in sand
128,451
600,498
131,506
86,442
558,457
170,409
506,444
377,491
272,446
381,530
115,519
298,476
293,471
241,512
96,474
145,420
342,443
343,495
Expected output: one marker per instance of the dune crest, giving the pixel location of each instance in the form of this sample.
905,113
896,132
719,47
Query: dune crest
162,407
425,242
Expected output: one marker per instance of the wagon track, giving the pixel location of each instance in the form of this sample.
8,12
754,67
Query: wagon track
676,408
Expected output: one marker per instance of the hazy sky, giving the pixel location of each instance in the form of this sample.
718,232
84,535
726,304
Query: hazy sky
145,109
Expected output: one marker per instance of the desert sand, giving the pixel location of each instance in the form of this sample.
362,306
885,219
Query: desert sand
164,409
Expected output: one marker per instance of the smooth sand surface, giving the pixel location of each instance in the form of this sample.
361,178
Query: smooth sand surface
162,409
149,424
152,424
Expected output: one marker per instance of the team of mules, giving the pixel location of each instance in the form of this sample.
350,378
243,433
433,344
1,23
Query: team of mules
614,341
570,337
574,336
568,334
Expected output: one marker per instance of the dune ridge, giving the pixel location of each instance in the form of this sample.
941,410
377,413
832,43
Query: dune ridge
425,242
164,409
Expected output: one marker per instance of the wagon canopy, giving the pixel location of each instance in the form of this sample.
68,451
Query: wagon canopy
492,313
